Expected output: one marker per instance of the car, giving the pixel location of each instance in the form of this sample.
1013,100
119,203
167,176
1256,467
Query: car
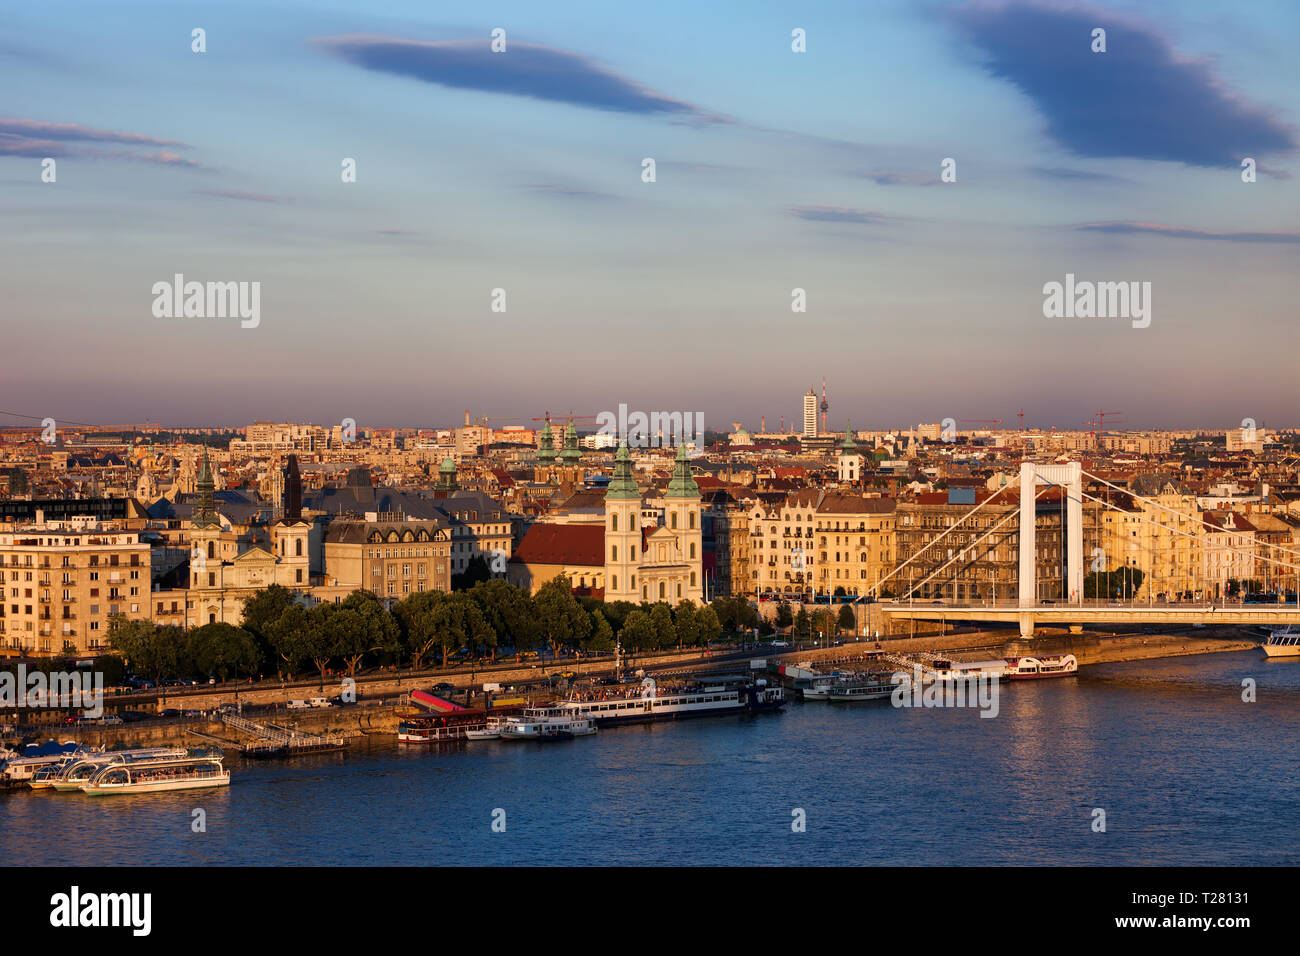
297,705
780,643
444,688
193,713
169,712
134,716
111,720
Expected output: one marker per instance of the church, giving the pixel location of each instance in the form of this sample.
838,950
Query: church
624,557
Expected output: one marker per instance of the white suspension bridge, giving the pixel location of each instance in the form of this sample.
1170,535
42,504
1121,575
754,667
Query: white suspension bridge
1030,607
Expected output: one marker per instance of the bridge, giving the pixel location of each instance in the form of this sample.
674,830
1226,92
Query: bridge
1029,607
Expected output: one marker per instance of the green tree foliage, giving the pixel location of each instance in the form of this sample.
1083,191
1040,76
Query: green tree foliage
222,650
845,620
560,618
1120,584
638,632
784,618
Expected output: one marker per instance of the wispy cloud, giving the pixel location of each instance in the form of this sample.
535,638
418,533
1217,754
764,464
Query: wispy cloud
525,69
1181,232
890,177
1079,175
569,192
73,131
839,214
238,195
1139,99
24,137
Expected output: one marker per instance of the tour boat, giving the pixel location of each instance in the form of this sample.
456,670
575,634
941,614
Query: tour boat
156,775
945,670
819,687
22,769
77,772
1033,668
547,723
1284,643
451,727
705,698
490,731
861,687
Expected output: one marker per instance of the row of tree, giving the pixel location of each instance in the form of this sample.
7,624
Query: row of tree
280,633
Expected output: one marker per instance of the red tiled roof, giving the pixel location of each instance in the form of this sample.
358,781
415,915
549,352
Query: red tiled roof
581,544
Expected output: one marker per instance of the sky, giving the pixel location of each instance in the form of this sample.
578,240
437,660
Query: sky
775,170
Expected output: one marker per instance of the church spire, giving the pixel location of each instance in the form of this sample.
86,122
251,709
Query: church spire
683,483
205,511
623,484
848,445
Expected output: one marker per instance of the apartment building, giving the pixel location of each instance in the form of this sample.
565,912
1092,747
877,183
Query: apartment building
63,580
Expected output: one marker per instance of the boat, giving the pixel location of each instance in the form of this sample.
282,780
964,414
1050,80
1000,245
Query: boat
196,770
819,687
22,769
452,726
705,697
78,772
490,731
1033,668
946,670
1283,643
547,723
861,687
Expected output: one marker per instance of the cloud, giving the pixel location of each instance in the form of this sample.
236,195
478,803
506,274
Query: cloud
237,194
889,177
73,131
23,137
525,69
1139,99
570,192
839,214
1061,172
1180,232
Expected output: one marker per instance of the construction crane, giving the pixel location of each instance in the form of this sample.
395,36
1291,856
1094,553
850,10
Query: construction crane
1098,423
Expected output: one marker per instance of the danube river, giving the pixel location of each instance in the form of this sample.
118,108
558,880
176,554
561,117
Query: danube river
1185,771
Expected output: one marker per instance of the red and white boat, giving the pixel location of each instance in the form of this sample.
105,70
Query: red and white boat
1033,668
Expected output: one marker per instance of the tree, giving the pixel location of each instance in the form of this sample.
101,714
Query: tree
316,641
638,631
784,618
154,652
601,638
509,611
262,611
221,650
686,624
476,572
708,626
846,620
419,617
661,617
802,623
560,617
285,635
361,625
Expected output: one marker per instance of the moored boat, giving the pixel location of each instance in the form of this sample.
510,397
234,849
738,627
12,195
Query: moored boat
704,698
547,723
196,770
1283,643
861,687
1033,668
77,772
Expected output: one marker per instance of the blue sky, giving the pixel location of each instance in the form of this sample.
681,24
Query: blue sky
775,170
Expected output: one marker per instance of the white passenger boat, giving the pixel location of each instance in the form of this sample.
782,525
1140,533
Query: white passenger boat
1033,668
547,723
1284,643
490,731
819,687
22,769
945,670
158,775
76,774
705,698
861,687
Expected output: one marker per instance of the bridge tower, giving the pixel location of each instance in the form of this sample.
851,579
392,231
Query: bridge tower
1070,477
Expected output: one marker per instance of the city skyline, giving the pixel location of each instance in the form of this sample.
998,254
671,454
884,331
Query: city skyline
522,171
